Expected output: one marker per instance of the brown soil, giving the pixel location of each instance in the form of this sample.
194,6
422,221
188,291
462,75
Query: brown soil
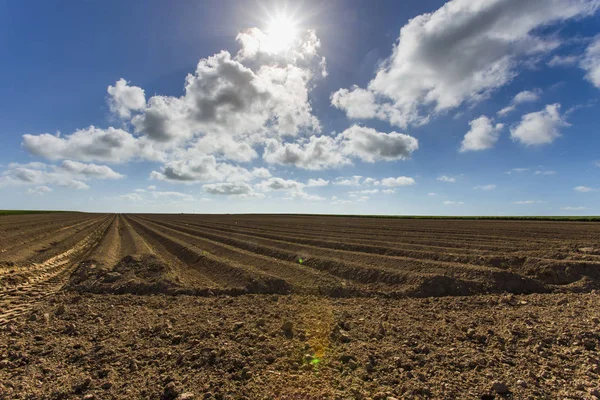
541,346
157,305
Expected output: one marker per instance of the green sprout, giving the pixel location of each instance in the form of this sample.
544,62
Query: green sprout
315,361
300,261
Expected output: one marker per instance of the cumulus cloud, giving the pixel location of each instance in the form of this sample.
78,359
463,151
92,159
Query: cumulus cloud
224,97
262,173
591,62
90,170
201,169
462,52
230,105
90,144
482,135
69,174
356,142
447,179
317,182
541,127
351,181
280,184
399,181
234,189
370,145
123,99
314,153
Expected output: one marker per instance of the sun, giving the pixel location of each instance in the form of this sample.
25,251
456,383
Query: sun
282,33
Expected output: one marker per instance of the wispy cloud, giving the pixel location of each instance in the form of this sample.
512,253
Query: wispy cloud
445,178
485,187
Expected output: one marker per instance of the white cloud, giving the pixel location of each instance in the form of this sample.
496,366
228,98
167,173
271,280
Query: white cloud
140,190
584,189
597,163
323,152
485,187
363,198
69,174
506,110
370,145
541,127
462,52
447,179
453,203
574,208
307,197
357,103
200,169
431,194
90,144
173,196
234,189
280,184
528,202
39,190
388,191
399,181
225,97
135,197
370,181
314,153
123,98
351,181
591,62
89,170
231,104
526,96
262,173
563,61
317,182
366,191
151,187
517,170
482,135
544,172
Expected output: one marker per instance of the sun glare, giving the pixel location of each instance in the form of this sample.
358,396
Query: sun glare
281,32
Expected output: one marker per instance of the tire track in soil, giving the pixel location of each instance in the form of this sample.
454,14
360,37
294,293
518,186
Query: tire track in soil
37,251
50,275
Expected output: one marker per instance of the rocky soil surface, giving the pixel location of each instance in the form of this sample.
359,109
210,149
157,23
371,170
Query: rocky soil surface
103,346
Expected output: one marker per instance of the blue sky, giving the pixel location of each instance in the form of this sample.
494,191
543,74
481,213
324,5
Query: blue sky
467,107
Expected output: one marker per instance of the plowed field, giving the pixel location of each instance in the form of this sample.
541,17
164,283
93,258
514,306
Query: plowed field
331,264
